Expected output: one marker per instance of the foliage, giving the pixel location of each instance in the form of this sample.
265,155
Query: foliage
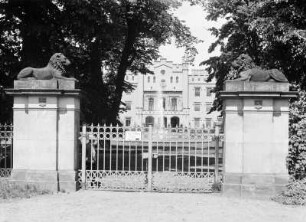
10,190
103,39
216,187
297,137
295,193
270,33
267,34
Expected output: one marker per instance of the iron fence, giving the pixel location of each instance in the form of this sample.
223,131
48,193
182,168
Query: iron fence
6,149
154,159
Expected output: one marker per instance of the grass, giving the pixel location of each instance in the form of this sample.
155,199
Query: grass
10,190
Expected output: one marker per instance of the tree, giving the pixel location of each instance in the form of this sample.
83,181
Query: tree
104,39
267,34
27,30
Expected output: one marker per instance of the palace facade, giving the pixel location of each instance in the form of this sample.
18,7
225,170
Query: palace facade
174,96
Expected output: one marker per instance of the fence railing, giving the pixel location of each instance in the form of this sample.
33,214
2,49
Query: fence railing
6,149
181,155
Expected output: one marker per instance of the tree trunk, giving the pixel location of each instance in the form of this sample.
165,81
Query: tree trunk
123,66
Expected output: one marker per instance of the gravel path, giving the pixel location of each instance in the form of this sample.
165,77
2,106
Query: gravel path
140,206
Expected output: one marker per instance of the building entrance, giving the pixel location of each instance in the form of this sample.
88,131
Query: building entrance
175,121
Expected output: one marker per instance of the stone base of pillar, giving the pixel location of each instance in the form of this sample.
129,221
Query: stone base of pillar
68,181
51,180
259,186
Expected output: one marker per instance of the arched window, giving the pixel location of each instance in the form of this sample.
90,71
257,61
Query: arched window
151,104
177,79
154,79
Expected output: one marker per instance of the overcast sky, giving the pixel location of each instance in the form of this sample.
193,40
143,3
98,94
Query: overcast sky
194,17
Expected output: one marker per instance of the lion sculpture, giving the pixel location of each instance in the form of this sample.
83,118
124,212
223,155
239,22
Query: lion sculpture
54,70
261,75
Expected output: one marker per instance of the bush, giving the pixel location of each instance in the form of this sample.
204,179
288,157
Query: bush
216,187
295,193
10,190
296,159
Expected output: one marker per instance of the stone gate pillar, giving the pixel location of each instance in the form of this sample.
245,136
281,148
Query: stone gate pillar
256,137
46,128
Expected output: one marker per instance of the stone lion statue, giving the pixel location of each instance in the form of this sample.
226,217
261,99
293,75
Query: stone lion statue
261,75
54,69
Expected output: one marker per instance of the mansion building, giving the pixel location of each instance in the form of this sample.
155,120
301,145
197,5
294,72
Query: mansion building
174,96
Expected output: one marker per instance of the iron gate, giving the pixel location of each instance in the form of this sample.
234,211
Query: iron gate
150,159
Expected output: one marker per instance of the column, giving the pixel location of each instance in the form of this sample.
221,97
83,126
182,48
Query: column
46,130
256,117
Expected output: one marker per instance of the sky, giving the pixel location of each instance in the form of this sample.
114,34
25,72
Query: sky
194,17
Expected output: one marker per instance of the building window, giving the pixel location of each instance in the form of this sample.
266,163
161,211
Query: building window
149,121
197,122
162,72
151,104
208,107
128,105
173,103
197,91
177,79
174,121
154,79
165,122
171,79
164,103
208,123
128,121
208,91
148,78
197,107
163,83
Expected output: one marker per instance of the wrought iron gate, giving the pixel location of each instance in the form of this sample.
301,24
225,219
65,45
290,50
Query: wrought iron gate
150,159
